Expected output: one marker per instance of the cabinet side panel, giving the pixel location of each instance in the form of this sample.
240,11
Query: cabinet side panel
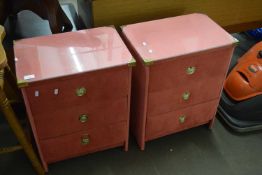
229,53
32,123
139,102
139,90
128,107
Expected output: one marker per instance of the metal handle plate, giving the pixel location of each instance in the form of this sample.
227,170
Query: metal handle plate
80,91
182,119
186,95
83,118
191,70
85,140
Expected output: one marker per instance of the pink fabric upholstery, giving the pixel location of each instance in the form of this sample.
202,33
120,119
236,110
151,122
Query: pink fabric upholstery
168,123
169,80
68,146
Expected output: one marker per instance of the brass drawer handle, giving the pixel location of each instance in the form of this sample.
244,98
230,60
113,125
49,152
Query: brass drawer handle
186,95
80,91
85,140
191,70
83,118
182,119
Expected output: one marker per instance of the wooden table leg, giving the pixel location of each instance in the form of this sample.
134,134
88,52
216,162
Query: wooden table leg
18,131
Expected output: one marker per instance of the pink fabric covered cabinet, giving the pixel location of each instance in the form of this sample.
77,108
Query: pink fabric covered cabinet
181,66
76,88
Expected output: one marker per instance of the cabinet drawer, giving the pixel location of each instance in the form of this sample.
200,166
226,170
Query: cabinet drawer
97,139
173,99
193,70
182,119
99,85
65,121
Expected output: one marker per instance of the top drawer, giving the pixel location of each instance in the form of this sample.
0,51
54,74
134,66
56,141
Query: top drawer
209,67
64,92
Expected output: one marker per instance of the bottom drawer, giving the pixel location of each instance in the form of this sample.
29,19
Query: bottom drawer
79,143
178,120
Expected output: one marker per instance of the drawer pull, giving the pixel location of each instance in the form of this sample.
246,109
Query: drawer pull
80,91
85,140
191,70
186,95
83,118
182,119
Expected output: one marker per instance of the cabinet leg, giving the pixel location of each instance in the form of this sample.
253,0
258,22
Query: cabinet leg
19,133
126,146
142,146
211,123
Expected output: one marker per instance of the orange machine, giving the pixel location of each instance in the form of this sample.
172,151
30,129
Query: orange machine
241,100
244,81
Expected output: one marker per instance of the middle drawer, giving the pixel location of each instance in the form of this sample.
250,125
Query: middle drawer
68,120
173,99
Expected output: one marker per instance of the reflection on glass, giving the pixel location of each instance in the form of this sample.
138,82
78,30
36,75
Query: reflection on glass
76,59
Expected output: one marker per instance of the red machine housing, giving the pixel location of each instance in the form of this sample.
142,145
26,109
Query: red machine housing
245,80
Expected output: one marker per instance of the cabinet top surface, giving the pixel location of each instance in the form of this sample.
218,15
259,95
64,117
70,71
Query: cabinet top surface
58,55
176,36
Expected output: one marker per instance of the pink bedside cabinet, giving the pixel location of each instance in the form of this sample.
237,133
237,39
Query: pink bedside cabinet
181,66
76,88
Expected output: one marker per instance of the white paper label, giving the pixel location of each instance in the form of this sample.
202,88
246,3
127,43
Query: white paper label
36,93
28,77
56,91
